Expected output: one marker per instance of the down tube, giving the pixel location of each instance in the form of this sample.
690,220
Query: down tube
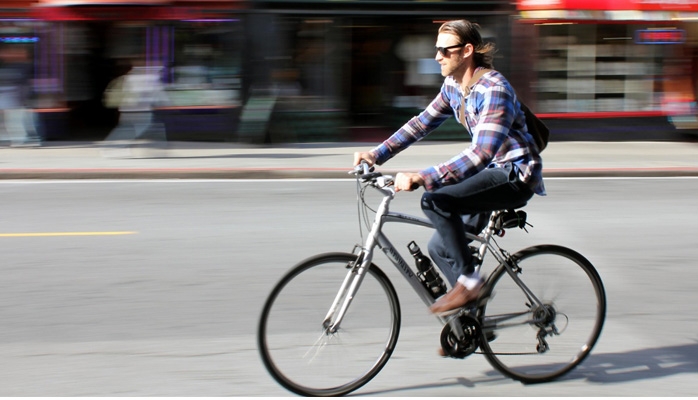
405,269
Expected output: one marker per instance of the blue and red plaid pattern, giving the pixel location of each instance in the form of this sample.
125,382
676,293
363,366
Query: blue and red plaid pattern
498,131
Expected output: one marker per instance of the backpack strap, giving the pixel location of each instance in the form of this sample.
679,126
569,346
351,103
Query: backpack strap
476,77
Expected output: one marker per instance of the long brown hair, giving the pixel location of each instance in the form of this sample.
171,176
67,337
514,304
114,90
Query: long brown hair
467,32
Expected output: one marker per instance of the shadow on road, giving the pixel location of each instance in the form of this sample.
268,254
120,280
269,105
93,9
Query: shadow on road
636,365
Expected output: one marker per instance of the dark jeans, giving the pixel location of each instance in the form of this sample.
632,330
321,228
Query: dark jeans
466,206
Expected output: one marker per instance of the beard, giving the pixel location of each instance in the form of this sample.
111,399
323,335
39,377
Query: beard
452,67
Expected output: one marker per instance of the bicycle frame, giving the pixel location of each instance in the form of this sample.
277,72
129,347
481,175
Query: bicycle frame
376,237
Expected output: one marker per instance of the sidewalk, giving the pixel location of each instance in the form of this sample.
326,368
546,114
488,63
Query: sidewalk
188,160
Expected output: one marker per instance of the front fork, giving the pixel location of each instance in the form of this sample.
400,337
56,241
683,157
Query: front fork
357,271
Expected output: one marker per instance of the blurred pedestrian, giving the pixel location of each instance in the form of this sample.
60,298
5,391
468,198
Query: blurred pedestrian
135,94
16,118
500,169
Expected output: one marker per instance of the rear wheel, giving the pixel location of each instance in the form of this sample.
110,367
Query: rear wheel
538,342
295,343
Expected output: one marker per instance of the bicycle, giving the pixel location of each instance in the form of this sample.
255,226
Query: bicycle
332,321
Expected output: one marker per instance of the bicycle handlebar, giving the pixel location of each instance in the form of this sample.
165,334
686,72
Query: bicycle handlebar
367,174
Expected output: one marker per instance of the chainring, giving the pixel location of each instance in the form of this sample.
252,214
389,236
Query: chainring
471,338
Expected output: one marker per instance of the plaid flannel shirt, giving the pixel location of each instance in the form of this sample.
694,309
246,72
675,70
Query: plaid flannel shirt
497,127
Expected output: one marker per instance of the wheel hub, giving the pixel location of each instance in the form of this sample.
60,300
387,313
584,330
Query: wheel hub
544,315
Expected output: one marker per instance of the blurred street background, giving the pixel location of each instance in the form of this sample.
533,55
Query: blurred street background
137,282
273,71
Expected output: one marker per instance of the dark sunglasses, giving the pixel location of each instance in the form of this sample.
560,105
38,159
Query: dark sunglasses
445,50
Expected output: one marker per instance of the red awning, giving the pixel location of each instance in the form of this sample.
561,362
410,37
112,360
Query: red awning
113,13
609,5
19,9
120,10
98,2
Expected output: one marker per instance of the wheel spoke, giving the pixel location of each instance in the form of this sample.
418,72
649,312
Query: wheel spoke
334,363
316,348
564,324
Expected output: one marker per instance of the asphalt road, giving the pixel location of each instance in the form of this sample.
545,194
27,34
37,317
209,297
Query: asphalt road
154,288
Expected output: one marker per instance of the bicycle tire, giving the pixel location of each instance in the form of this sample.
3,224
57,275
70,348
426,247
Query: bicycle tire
291,325
575,304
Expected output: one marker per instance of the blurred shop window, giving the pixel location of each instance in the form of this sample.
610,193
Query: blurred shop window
207,64
77,51
596,68
421,70
310,63
126,40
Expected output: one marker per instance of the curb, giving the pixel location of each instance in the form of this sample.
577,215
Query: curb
621,172
174,173
294,173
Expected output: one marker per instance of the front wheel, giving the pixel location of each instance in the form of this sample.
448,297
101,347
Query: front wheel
295,343
539,335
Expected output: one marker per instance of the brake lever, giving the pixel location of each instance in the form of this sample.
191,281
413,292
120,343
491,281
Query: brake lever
370,176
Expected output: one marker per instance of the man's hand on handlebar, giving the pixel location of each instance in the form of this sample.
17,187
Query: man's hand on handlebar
404,181
408,181
364,156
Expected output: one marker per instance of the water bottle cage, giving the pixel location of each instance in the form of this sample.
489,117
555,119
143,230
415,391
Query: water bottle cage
435,286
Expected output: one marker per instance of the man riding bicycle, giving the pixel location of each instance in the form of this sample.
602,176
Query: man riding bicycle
501,168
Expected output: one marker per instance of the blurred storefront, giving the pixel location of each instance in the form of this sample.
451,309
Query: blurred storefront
612,58
79,47
327,70
349,70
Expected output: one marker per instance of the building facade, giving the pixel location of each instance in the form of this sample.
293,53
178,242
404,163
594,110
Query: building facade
619,58
323,70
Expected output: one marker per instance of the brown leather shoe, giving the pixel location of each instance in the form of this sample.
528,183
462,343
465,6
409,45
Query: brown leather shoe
456,298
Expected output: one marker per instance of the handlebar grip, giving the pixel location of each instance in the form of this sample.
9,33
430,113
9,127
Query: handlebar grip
414,186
